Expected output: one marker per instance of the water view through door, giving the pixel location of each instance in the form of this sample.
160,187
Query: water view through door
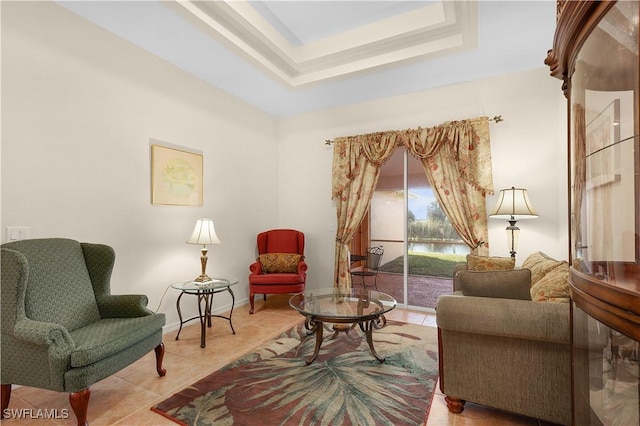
420,245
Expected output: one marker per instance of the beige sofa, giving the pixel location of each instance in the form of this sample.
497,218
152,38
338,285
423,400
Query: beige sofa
499,348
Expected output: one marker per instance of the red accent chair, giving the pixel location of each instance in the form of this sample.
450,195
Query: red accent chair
280,267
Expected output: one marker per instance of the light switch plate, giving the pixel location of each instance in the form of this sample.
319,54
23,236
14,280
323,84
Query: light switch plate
15,233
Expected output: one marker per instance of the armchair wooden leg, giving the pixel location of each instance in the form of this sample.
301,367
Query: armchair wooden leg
251,302
79,404
159,357
455,405
6,396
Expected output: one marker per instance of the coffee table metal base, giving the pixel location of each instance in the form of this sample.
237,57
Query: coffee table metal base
315,325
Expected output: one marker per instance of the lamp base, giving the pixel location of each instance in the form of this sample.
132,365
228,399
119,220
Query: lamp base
203,278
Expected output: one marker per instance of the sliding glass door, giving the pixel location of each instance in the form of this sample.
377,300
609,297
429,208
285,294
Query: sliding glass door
387,225
420,245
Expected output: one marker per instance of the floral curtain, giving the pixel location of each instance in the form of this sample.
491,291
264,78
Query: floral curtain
456,157
457,160
356,168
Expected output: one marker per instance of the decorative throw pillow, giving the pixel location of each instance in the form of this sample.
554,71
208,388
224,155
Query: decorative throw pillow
539,264
513,284
490,263
553,287
279,262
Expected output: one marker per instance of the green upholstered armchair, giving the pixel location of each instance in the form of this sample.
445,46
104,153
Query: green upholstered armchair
61,328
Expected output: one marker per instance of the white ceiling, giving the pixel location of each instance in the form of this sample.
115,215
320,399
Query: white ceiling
292,57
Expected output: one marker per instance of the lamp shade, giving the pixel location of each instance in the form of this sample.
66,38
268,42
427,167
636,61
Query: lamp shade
204,233
513,204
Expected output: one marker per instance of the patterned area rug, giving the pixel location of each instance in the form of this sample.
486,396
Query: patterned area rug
345,385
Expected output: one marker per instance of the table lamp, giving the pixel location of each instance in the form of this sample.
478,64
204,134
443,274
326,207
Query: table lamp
513,204
204,234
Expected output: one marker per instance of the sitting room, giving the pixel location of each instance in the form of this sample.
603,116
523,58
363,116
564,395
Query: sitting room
126,124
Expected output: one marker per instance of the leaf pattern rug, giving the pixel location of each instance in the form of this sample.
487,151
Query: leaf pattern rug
345,385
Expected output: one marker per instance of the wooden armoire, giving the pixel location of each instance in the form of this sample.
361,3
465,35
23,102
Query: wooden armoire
595,54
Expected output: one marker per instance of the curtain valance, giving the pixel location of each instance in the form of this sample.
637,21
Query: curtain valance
468,139
456,157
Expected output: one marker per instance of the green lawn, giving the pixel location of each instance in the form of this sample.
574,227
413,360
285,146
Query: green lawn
431,264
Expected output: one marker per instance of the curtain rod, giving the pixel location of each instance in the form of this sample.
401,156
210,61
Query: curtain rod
497,119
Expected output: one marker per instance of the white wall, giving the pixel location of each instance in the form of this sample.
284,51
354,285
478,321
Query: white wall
528,150
79,107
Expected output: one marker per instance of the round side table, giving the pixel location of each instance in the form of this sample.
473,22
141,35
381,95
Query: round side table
204,292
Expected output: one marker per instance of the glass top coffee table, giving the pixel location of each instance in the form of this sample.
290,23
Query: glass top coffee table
344,309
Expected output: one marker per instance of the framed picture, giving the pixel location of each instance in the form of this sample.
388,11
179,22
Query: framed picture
176,176
603,157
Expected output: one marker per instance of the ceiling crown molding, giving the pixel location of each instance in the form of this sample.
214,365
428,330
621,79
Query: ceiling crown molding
436,29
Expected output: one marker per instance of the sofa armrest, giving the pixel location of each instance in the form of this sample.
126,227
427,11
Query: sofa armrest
44,334
548,322
123,306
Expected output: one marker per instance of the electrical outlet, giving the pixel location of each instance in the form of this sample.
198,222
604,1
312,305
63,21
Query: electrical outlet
15,233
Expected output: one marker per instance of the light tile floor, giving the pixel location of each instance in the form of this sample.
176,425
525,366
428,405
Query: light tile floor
126,398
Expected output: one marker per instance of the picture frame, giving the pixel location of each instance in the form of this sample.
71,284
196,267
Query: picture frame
176,176
602,135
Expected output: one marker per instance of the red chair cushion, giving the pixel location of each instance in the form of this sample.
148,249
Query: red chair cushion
276,279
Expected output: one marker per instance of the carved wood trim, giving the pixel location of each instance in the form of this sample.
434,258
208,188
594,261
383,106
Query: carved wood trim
615,307
576,20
